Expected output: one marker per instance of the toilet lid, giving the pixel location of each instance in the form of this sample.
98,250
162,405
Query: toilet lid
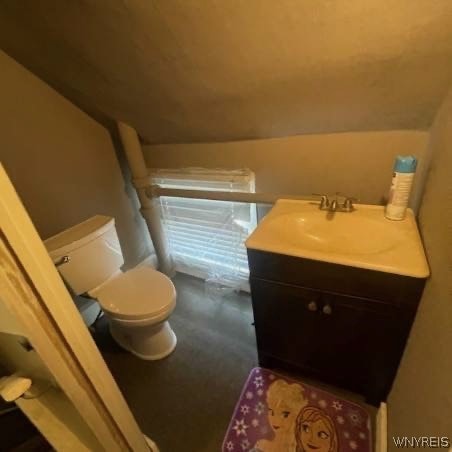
137,294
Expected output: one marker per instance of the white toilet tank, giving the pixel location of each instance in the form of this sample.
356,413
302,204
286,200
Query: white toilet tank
94,253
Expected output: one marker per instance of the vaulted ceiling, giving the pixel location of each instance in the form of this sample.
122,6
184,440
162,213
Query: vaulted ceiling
210,70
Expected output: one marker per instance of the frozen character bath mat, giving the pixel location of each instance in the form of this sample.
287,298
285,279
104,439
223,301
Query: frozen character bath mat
278,414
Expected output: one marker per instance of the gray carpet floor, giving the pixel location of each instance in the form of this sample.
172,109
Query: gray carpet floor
184,402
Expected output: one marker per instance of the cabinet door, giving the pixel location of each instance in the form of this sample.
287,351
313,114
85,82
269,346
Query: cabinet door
286,321
345,340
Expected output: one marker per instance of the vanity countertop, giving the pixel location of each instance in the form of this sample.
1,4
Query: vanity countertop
364,238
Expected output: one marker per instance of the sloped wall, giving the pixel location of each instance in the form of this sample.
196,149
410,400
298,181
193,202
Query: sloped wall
356,164
200,71
61,162
420,402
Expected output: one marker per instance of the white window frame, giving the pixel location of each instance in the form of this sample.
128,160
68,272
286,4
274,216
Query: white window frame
199,179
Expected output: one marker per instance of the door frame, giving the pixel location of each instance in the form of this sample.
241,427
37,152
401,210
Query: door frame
34,294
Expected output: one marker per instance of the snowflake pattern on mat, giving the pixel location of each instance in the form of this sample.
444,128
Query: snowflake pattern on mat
337,405
244,409
250,421
240,427
245,444
355,418
259,408
259,381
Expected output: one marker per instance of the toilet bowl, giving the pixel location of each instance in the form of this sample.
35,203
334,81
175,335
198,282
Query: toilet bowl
137,302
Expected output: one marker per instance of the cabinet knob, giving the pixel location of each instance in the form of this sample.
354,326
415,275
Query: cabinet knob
312,306
327,309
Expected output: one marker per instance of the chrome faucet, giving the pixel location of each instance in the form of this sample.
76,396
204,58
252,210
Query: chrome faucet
335,205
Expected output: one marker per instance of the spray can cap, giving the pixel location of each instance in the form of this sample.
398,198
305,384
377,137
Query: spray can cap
405,164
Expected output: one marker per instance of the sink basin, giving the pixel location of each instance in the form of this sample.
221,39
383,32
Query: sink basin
363,238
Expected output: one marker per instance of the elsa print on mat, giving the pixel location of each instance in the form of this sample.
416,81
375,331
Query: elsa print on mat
284,402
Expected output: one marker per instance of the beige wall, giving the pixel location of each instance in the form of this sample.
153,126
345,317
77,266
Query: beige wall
357,164
62,163
421,399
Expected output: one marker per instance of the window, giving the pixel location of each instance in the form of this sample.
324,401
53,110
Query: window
206,238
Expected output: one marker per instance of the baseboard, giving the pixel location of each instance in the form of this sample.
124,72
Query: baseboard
381,433
150,261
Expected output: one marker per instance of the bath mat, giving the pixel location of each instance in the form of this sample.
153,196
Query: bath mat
278,414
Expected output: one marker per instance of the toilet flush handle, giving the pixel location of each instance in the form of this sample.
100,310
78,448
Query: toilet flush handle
62,260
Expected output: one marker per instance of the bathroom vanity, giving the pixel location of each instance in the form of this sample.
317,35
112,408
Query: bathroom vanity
332,306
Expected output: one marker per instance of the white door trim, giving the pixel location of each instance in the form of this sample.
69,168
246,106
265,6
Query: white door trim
35,295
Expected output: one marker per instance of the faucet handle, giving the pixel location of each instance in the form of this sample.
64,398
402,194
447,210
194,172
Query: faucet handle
348,203
324,200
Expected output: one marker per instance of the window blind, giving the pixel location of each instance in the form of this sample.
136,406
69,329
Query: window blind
206,238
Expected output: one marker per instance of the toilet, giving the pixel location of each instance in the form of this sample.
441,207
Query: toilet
137,302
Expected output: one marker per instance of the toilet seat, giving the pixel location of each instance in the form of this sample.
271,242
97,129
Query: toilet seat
138,294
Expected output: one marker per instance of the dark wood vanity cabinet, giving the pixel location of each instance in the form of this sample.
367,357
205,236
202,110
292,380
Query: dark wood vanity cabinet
342,325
